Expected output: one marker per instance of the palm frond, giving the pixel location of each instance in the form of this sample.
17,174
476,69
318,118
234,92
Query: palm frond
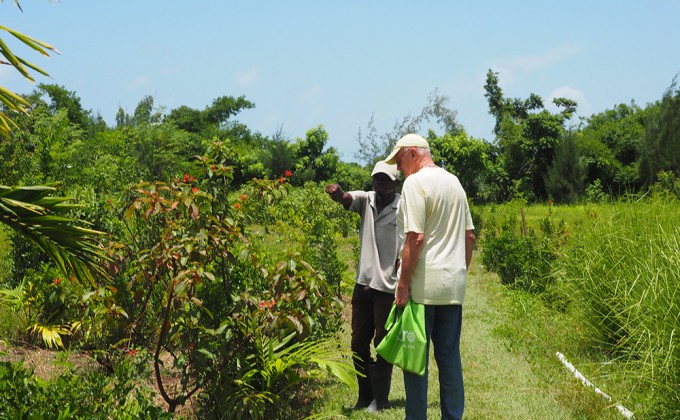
42,218
12,101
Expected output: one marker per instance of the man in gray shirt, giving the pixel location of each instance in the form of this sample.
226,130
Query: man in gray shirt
376,278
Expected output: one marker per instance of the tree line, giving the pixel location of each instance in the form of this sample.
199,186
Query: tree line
536,154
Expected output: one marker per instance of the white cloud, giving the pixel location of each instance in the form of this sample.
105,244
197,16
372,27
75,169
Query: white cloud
510,69
583,108
567,92
528,63
141,81
247,78
311,94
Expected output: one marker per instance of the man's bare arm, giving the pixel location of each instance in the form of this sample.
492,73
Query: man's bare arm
469,246
409,258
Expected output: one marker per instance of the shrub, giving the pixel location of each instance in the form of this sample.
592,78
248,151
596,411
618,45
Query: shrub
524,262
202,294
75,395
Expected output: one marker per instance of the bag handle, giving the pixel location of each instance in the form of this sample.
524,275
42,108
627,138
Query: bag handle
392,318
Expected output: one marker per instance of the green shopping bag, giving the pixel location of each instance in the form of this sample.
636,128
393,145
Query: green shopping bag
405,344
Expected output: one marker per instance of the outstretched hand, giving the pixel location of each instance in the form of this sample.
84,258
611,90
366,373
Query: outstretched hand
335,191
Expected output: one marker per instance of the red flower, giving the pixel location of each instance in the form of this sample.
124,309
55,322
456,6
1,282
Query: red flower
267,304
132,352
287,173
282,180
188,178
243,197
237,206
194,190
57,281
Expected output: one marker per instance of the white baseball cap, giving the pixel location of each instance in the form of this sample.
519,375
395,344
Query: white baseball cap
384,168
409,140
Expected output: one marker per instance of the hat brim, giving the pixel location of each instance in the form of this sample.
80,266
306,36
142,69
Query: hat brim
391,159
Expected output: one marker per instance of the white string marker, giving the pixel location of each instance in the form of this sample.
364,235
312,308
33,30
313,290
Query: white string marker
623,410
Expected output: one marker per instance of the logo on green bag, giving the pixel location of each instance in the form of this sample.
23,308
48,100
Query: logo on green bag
409,336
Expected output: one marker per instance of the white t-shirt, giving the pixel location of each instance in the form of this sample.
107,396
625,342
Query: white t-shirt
378,235
434,203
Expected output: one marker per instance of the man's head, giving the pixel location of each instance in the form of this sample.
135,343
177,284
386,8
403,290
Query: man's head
384,178
410,154
409,140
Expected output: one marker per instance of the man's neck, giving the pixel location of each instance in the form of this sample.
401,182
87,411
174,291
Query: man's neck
383,200
426,162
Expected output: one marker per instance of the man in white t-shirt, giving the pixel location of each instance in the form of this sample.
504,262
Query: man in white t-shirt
435,217
376,279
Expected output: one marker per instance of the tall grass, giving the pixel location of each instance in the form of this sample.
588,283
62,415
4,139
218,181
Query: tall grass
623,270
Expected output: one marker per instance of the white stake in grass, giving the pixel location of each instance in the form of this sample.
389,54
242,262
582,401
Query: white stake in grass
623,410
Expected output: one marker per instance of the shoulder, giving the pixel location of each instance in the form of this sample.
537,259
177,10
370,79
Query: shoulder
360,200
360,195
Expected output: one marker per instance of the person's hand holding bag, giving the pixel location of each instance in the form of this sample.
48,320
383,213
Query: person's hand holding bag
405,344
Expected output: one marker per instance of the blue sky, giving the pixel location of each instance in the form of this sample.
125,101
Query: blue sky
337,63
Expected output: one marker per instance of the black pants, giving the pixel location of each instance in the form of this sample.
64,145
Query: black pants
370,309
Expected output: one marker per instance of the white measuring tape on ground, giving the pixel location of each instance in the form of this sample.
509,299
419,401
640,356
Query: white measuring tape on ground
623,410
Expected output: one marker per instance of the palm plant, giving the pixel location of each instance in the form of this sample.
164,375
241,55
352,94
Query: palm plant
32,210
41,217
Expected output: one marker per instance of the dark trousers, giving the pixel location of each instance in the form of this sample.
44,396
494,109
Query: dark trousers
370,309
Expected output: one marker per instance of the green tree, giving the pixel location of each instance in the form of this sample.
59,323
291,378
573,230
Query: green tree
470,159
60,98
609,146
162,150
564,180
279,156
352,176
144,112
122,118
187,119
660,148
313,162
527,134
54,136
224,107
211,118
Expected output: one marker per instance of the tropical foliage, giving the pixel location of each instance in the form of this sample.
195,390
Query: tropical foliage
185,252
